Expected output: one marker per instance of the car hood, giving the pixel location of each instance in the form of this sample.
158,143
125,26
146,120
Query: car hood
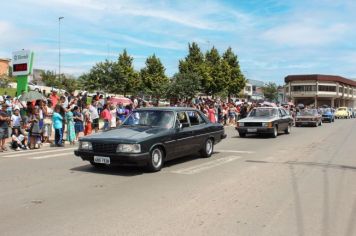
259,119
307,117
130,134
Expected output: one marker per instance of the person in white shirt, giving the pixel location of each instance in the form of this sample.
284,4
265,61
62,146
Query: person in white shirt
16,119
18,140
94,116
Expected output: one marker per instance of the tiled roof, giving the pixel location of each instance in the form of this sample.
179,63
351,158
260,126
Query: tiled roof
317,77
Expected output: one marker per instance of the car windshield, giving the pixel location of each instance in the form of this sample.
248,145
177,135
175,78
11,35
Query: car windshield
341,109
308,113
326,110
263,112
163,119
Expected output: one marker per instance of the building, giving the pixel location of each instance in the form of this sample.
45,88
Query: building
253,89
318,90
4,66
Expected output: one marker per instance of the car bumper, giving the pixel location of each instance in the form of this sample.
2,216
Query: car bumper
139,159
306,122
328,118
255,130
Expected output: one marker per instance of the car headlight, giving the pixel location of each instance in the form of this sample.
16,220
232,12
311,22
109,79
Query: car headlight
85,145
129,148
241,124
264,124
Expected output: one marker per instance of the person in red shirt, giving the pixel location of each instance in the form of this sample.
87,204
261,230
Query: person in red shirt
211,114
106,116
54,98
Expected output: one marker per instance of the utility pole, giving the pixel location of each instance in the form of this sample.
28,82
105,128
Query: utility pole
59,46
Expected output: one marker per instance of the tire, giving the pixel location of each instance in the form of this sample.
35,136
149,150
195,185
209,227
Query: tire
242,135
97,165
320,123
208,148
275,132
37,89
289,129
156,161
316,124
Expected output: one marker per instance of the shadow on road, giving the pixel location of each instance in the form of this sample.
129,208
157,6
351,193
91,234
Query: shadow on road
127,171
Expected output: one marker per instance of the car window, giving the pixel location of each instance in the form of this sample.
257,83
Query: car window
284,112
280,112
195,118
182,117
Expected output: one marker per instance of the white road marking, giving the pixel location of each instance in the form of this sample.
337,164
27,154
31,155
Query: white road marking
206,166
234,151
53,155
37,152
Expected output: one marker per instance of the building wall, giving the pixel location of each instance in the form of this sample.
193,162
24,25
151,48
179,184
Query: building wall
4,66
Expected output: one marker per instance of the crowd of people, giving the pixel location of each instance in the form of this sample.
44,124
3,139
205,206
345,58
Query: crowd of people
56,119
33,123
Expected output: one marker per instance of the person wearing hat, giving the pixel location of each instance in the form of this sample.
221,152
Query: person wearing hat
4,126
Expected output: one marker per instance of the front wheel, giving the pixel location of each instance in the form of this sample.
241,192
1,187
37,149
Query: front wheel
288,129
275,132
156,161
208,148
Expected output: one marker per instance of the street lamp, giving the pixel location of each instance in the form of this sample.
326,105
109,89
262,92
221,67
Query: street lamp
59,46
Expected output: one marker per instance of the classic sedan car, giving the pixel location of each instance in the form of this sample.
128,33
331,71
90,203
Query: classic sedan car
327,114
151,136
342,112
308,117
265,120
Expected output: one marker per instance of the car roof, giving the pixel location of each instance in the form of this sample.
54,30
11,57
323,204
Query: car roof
177,109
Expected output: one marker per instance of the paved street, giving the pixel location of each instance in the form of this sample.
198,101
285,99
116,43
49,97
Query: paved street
298,184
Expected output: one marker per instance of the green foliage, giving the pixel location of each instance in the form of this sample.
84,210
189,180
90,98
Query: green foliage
270,91
130,78
50,79
8,91
154,80
236,80
184,85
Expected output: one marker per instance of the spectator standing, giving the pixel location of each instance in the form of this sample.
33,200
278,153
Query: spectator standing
78,122
94,116
106,116
35,130
70,127
113,122
47,122
57,120
88,120
16,119
54,98
211,114
4,127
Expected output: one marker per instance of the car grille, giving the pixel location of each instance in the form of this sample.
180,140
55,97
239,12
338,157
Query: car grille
326,115
253,124
104,147
304,119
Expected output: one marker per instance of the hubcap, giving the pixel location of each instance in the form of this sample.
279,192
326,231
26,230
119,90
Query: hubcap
209,146
156,158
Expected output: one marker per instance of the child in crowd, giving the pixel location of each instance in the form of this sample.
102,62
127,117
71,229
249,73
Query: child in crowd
18,140
78,122
57,119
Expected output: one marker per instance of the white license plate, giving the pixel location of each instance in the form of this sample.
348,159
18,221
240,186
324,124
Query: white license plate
102,160
252,130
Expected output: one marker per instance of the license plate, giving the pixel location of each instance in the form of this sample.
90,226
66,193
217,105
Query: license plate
252,130
102,160
305,123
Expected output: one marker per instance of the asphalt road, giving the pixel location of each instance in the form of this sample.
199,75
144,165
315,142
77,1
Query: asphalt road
298,184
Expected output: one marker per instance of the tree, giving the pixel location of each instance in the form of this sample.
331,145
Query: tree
194,63
218,73
50,79
153,77
270,91
184,85
236,81
70,84
130,78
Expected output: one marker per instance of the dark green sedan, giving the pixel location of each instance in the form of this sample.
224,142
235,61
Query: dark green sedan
150,136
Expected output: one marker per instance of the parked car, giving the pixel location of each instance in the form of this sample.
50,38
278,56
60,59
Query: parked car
342,112
327,114
352,112
151,136
308,117
265,120
34,87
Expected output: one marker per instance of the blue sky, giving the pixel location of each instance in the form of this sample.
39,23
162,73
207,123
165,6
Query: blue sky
272,38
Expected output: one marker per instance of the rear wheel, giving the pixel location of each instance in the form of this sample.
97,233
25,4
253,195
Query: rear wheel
208,148
156,160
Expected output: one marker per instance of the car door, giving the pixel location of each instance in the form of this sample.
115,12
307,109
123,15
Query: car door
283,120
199,128
183,135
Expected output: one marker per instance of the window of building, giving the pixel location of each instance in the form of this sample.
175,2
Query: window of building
341,90
287,89
303,88
326,88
